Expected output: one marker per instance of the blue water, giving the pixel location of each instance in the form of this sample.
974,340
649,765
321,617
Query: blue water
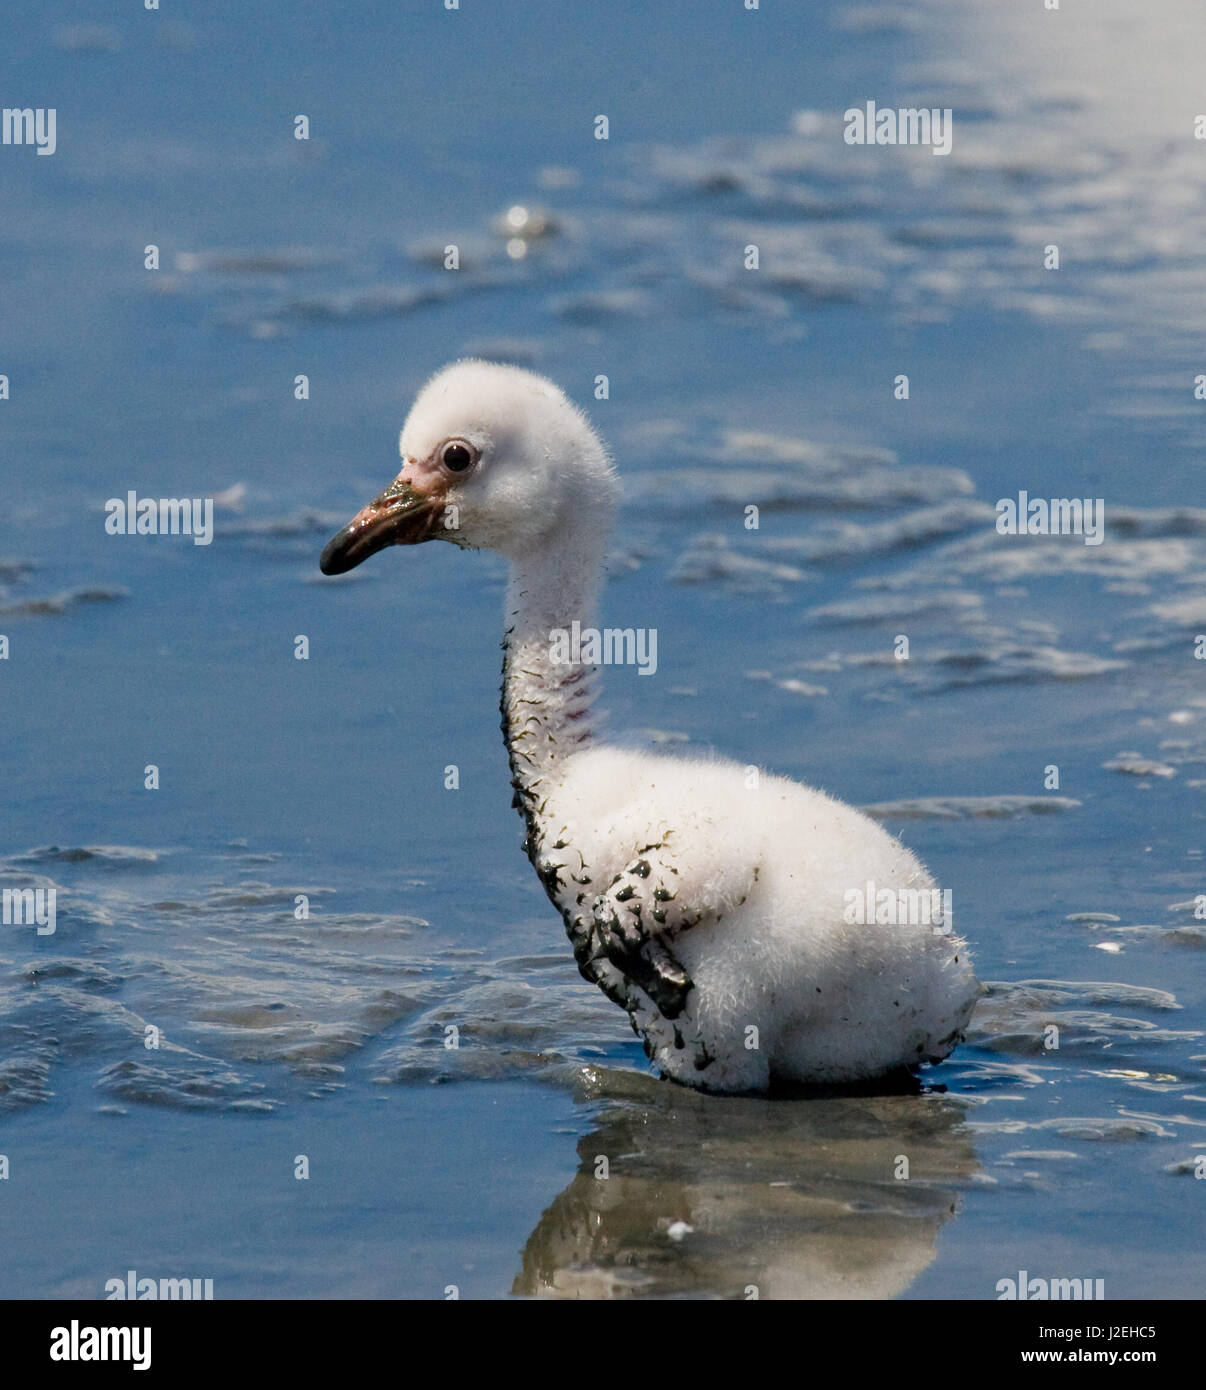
325,1037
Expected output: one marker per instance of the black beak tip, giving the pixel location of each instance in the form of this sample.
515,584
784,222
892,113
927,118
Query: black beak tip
400,519
338,556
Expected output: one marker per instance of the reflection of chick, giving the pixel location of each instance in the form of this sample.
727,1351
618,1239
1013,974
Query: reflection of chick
709,905
783,1201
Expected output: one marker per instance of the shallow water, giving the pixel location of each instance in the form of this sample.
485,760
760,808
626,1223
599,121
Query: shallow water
325,778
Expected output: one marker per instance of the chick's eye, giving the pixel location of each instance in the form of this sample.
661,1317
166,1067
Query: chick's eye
456,456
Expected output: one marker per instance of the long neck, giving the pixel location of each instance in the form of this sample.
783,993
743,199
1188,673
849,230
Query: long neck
546,702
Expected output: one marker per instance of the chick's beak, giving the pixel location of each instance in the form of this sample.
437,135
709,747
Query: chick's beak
400,516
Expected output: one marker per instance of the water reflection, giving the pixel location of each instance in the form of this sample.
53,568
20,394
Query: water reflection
744,1198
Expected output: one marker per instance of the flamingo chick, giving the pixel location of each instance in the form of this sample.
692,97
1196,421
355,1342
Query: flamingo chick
714,912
